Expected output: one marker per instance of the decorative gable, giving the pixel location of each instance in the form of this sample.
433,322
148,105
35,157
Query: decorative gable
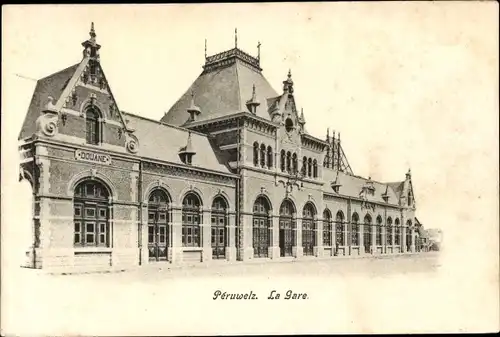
86,111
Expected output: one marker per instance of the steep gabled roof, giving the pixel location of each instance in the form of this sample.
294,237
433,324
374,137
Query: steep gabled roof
397,187
161,141
52,85
223,89
352,186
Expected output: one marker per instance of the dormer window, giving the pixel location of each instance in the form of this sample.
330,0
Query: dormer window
410,199
186,158
187,152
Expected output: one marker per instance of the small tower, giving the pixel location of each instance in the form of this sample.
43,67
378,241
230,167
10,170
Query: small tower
253,103
193,110
91,48
288,83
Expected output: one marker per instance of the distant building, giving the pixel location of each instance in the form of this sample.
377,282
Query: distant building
229,173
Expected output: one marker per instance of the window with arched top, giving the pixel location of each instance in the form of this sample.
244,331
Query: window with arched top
91,214
262,156
191,220
294,163
256,154
397,232
309,167
340,229
286,227
327,228
367,233
282,161
262,230
378,234
388,232
355,231
304,166
409,236
308,229
315,168
219,228
92,126
269,157
288,162
158,220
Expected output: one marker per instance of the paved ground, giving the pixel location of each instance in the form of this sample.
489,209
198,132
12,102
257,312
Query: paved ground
156,301
370,266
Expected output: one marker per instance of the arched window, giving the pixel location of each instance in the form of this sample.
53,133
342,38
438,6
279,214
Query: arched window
287,228
309,167
262,231
304,166
294,163
355,234
409,236
315,168
256,154
367,233
410,199
91,214
327,228
269,157
219,228
191,219
288,162
282,157
158,219
397,232
288,125
378,237
308,229
262,156
339,229
92,126
388,232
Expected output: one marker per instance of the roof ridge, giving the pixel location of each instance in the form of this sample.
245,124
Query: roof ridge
163,123
239,86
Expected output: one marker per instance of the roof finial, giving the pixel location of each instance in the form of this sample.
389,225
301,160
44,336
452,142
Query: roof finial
252,104
92,31
327,133
205,49
236,38
258,51
289,73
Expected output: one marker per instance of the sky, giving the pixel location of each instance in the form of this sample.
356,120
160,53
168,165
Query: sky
408,85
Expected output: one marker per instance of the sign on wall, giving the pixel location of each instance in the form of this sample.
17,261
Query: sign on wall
92,157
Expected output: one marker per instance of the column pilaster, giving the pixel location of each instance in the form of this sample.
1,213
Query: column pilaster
318,247
297,249
231,237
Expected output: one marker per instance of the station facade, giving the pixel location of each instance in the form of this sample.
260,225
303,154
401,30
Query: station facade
229,173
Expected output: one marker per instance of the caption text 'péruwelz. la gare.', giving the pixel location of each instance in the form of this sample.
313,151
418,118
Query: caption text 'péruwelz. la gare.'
272,295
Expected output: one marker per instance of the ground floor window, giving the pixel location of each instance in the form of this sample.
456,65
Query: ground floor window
91,214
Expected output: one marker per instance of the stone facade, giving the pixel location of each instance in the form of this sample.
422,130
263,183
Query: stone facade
75,137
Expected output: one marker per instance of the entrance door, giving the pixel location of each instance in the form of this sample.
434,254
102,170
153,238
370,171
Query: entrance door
260,237
308,237
218,236
286,237
157,235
